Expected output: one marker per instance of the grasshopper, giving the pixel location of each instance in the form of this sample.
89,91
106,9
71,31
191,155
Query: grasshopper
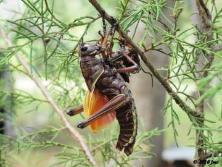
108,96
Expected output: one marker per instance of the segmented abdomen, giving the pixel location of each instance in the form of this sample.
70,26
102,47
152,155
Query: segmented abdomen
127,119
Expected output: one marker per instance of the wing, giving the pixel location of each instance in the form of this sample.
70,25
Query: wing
93,102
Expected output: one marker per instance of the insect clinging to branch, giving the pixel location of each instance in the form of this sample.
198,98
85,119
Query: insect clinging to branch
108,96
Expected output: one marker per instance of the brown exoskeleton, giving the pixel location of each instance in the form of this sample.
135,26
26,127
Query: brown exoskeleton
125,57
108,94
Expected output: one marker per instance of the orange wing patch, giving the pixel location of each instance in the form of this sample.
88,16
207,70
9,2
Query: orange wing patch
93,102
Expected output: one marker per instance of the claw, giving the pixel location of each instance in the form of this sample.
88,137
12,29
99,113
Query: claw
70,112
74,111
82,125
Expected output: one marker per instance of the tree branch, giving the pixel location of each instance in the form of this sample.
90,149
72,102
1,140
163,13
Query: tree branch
163,81
74,133
204,24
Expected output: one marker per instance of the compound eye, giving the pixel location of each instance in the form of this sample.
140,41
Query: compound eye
83,49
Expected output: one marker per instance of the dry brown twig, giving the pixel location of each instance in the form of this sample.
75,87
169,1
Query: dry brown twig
74,133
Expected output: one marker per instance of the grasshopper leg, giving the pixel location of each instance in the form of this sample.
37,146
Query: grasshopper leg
131,69
74,111
112,105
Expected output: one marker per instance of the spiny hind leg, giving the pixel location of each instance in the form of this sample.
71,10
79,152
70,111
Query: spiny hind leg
112,105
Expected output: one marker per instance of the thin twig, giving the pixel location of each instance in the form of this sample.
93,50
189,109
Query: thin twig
74,133
163,81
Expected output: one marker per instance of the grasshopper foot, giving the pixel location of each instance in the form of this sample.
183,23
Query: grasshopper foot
82,125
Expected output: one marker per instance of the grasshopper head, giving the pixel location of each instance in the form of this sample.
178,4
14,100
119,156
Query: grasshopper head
89,49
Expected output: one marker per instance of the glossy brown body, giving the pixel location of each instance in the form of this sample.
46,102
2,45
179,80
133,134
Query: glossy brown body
101,76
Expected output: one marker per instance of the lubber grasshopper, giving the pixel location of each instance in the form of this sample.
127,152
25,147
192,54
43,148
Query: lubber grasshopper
108,95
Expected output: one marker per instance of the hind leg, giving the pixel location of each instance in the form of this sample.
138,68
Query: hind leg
112,105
